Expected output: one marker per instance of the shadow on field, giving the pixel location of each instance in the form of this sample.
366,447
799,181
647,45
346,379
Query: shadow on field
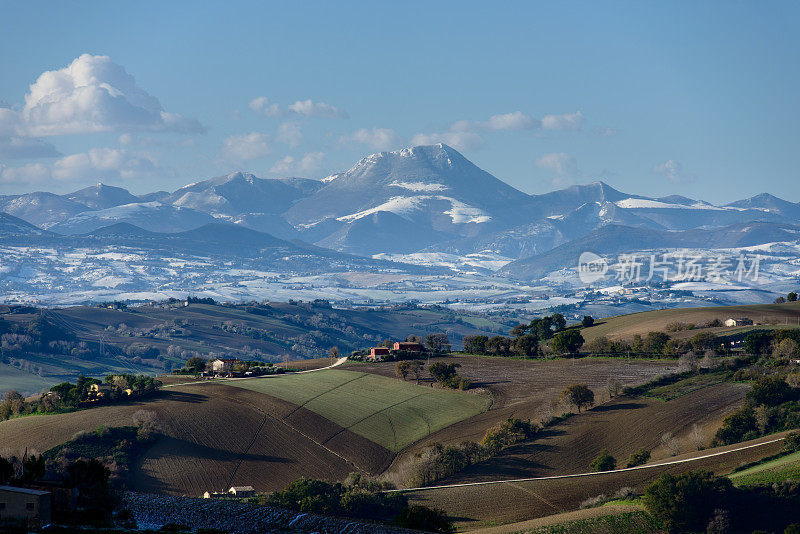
170,447
618,407
182,396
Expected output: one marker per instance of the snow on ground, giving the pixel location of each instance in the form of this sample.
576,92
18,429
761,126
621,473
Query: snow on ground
483,260
644,203
459,212
419,186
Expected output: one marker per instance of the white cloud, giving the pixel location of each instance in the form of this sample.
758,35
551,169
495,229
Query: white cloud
374,138
97,164
246,146
309,108
567,121
564,166
308,165
291,134
674,172
459,140
516,120
26,148
262,105
103,163
94,94
25,174
303,108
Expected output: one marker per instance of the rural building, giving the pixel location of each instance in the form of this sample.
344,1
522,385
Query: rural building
378,352
216,495
28,505
242,491
223,365
741,321
100,391
408,346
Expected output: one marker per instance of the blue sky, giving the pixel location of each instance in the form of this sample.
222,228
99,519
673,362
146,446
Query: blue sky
694,98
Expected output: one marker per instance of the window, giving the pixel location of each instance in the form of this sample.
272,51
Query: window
29,506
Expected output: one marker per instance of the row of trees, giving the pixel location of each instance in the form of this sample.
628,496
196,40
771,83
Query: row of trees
67,396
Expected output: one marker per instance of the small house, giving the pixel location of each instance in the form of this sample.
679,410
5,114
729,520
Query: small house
216,495
100,391
223,365
32,507
408,346
741,321
376,353
242,492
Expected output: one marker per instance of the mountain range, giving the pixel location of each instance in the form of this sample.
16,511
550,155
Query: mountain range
424,199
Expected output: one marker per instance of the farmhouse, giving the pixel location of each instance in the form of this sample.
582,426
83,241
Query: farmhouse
741,321
242,491
377,352
100,391
28,505
408,346
223,365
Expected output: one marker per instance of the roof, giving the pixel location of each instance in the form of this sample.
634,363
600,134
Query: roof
26,491
242,488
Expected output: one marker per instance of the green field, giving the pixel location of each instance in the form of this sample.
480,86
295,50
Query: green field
13,378
776,470
389,412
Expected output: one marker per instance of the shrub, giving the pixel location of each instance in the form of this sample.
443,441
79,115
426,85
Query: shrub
686,502
587,321
770,391
567,342
639,457
792,442
604,462
423,518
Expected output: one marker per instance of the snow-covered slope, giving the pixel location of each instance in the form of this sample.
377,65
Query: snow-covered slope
102,196
153,216
42,209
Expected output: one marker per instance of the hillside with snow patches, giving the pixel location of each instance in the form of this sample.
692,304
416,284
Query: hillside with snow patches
424,205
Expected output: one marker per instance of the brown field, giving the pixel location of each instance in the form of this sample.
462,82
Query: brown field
216,436
621,426
525,388
625,326
483,505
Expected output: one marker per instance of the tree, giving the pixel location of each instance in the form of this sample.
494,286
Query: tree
196,364
578,395
519,330
757,342
333,352
769,390
423,518
655,342
402,369
437,343
541,327
639,457
587,321
526,345
604,462
475,344
498,345
792,297
703,341
558,321
567,342
780,300
787,348
685,503
415,368
441,372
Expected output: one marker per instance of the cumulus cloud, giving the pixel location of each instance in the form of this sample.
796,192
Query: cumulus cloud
674,172
95,164
308,165
291,134
567,121
464,140
103,163
303,108
374,138
94,94
246,146
511,122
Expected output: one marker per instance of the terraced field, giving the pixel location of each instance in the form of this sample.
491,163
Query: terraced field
776,470
390,412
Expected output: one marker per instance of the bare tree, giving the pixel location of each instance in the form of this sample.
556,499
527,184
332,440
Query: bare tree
697,437
762,418
614,387
669,441
147,422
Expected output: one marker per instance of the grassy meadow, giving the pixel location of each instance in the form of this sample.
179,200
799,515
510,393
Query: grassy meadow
389,412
